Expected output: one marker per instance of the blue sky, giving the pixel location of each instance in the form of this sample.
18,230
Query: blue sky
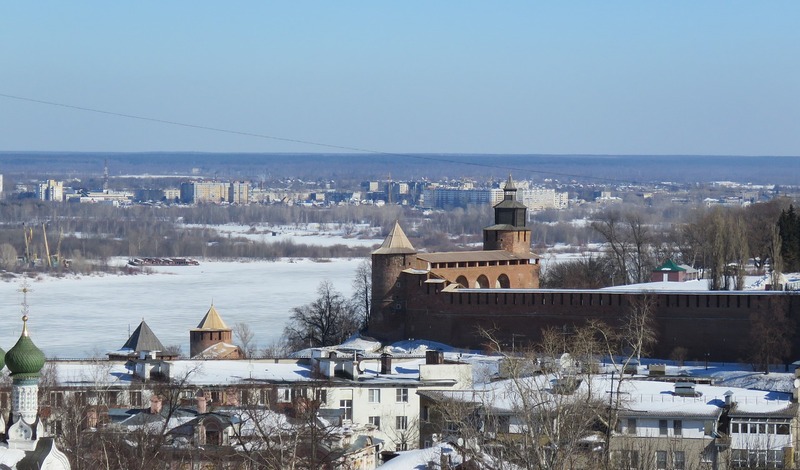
684,77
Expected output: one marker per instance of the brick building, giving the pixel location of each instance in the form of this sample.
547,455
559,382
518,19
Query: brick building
450,297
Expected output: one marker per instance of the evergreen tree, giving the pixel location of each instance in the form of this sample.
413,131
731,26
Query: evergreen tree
789,230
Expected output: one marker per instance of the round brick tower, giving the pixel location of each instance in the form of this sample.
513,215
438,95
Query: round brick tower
388,262
211,330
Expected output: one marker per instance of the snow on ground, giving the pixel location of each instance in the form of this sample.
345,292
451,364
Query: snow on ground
306,234
83,316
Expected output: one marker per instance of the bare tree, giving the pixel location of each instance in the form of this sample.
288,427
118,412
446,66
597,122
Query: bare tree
771,335
640,329
244,338
326,321
640,240
610,225
539,415
8,257
584,273
362,290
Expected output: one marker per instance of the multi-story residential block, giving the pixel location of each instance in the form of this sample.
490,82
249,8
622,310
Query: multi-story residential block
239,192
204,191
51,190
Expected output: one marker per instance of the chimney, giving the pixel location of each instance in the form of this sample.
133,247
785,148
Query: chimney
200,398
386,363
685,389
434,357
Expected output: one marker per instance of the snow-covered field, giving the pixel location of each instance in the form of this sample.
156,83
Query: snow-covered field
306,234
83,316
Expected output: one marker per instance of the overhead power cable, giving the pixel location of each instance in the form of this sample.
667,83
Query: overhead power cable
306,142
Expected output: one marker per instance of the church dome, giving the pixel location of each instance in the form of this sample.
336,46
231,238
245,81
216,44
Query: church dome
24,360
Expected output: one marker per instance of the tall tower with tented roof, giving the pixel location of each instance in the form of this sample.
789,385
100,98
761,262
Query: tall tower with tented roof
509,232
395,255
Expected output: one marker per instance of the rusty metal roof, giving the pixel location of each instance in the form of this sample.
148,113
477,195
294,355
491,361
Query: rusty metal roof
470,256
396,243
212,321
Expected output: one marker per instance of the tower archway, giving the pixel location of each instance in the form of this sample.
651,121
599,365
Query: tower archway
482,282
463,281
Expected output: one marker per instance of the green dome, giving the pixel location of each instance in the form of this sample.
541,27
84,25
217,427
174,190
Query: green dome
24,360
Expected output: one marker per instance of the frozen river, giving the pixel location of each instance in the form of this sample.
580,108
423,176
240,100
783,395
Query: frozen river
90,315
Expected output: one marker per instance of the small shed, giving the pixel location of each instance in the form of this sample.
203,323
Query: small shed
669,272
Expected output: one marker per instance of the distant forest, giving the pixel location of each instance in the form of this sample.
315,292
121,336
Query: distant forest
354,168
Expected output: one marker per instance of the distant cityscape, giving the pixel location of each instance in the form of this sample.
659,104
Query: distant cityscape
423,194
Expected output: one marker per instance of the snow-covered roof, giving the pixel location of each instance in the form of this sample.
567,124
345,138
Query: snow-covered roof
636,396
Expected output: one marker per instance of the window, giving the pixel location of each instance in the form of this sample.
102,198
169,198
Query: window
662,427
629,459
374,395
401,446
346,407
743,458
734,428
375,421
631,426
299,393
661,460
283,395
677,427
402,395
321,396
401,423
425,414
679,460
56,399
136,398
783,429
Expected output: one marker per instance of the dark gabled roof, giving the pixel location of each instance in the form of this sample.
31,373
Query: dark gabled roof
143,339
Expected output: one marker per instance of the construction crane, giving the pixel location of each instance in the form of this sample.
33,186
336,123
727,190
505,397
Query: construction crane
58,246
46,247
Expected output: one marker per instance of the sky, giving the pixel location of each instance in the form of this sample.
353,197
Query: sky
526,77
